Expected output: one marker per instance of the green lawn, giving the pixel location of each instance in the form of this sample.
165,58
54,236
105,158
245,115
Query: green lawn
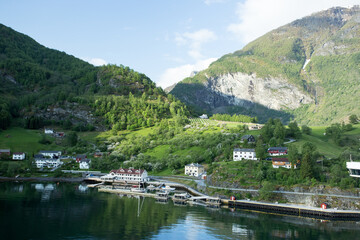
188,151
159,152
89,136
24,140
325,147
323,143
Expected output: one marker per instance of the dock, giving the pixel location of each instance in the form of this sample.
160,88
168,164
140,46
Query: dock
191,196
295,210
126,192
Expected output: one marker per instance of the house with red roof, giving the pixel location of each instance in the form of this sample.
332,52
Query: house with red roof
130,175
281,162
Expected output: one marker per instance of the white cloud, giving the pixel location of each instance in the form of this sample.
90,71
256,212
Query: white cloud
195,40
257,17
95,61
176,74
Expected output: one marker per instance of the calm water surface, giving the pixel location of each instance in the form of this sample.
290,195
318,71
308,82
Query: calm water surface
70,211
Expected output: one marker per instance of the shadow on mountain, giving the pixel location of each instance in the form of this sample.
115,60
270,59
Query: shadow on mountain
202,99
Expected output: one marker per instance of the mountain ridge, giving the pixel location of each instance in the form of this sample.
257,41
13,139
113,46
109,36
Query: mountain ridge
47,86
318,40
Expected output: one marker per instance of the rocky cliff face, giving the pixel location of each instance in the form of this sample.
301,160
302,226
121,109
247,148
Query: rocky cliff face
313,61
241,89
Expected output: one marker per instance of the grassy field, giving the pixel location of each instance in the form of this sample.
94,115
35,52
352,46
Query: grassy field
24,140
323,143
159,152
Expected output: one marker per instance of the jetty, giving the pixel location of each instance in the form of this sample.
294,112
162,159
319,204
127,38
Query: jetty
295,210
187,195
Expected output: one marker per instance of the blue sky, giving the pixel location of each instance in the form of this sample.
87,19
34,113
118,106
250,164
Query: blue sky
165,39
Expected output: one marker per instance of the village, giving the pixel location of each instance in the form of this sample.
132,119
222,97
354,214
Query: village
53,159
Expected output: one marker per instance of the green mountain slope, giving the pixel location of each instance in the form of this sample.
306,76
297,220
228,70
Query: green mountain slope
43,85
317,55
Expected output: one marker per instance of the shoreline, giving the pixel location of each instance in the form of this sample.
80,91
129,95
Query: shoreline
288,209
41,179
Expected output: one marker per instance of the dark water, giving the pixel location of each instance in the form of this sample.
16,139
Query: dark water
63,211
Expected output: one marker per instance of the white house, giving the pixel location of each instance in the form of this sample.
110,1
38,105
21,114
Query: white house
194,169
204,116
51,154
282,162
354,168
18,156
126,175
48,131
47,162
244,153
84,163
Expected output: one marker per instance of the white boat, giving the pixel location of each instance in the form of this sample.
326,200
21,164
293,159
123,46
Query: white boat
167,188
136,188
151,187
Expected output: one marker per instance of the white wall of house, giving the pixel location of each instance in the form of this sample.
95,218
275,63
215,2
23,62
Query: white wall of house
51,153
354,168
128,177
49,131
84,165
50,163
20,156
195,170
240,155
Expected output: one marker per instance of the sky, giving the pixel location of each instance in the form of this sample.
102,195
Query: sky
164,39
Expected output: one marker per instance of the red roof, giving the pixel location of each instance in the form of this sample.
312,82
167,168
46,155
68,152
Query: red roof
127,171
18,153
280,159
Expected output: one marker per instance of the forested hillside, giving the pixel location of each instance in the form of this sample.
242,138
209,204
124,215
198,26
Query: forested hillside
44,86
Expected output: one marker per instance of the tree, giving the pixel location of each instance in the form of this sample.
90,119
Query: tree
260,150
266,192
72,139
273,142
279,131
306,168
306,130
5,119
293,155
334,131
353,119
294,130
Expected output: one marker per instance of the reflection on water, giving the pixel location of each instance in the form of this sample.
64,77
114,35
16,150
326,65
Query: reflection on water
72,211
83,188
45,190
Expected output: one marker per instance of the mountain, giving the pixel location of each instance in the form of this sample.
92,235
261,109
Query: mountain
46,86
307,70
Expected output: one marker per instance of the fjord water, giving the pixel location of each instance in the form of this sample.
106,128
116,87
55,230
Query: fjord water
71,211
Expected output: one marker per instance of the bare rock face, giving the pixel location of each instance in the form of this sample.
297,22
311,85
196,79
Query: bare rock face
240,89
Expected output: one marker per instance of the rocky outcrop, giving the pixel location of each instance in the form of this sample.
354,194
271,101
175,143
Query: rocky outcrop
74,112
241,89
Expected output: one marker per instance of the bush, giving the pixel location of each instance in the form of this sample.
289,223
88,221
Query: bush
266,192
44,140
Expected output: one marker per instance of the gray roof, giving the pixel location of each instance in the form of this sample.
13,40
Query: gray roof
244,150
246,136
49,151
194,165
4,150
277,149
